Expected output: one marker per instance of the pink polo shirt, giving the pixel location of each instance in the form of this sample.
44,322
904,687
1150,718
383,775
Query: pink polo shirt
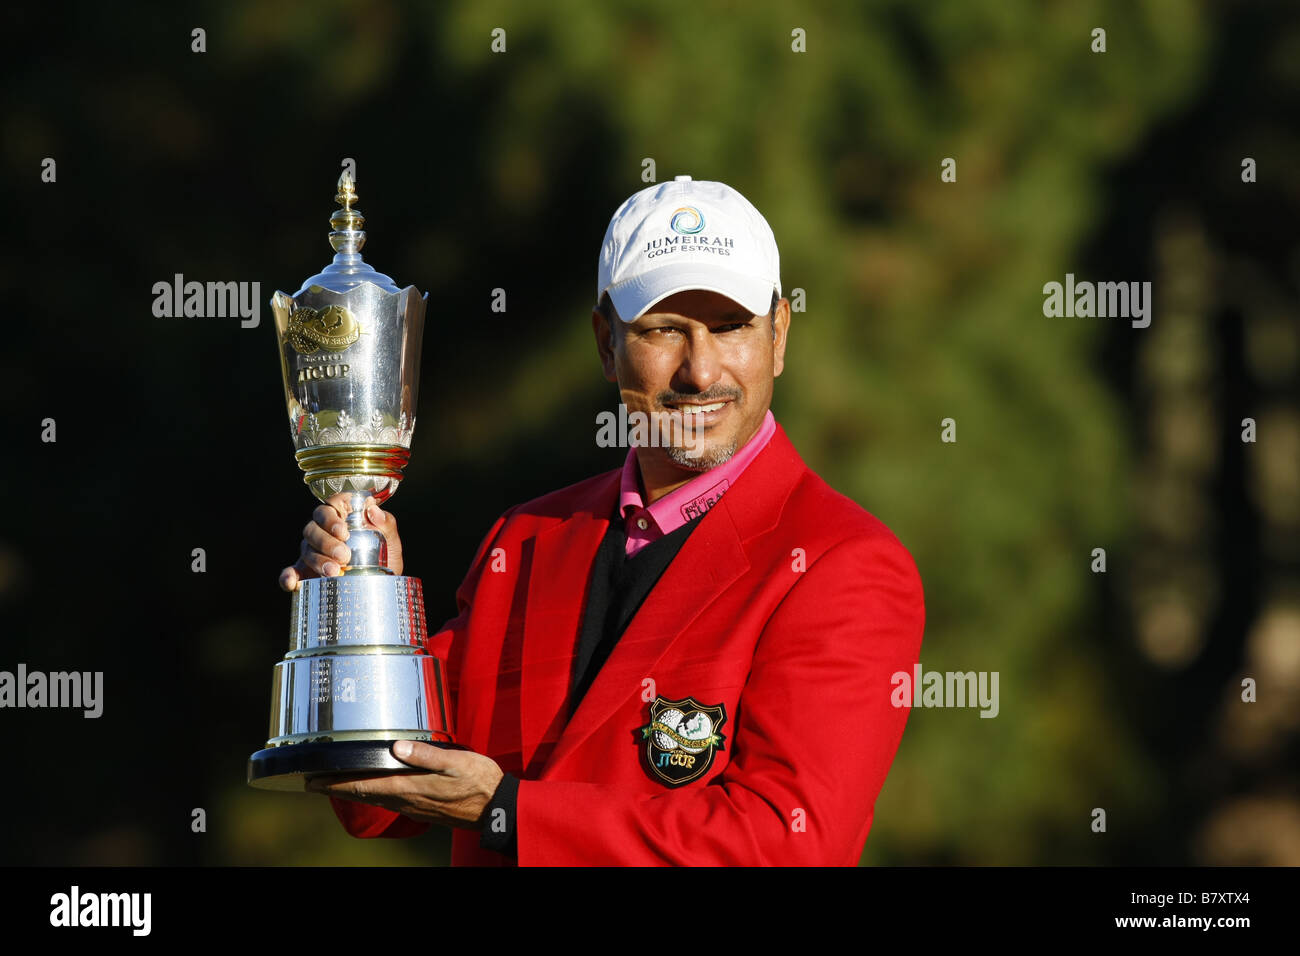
645,524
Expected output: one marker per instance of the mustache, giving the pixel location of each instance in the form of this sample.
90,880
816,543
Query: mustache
704,398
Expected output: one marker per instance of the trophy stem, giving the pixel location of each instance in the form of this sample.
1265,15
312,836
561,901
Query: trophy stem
369,547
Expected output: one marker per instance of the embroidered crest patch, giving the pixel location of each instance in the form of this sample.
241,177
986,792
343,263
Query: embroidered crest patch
681,738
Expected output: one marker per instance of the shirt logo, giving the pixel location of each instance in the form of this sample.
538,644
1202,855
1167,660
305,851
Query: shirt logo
681,739
702,503
687,221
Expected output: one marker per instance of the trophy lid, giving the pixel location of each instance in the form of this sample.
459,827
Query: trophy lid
348,270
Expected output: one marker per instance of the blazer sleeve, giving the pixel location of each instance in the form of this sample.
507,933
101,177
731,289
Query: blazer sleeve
814,738
365,821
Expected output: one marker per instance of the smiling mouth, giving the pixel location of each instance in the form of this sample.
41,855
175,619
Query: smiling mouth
692,409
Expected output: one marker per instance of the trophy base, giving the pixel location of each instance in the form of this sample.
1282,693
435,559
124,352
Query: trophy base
287,768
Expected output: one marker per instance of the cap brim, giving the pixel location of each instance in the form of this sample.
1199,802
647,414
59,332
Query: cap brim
632,298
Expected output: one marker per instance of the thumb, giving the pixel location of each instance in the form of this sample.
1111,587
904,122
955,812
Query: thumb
386,525
422,755
376,515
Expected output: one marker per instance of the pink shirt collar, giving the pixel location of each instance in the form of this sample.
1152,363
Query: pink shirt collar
645,524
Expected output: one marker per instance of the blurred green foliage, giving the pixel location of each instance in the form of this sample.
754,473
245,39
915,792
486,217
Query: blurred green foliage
480,170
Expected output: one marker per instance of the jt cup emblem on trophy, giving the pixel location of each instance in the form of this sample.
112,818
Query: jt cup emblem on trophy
357,676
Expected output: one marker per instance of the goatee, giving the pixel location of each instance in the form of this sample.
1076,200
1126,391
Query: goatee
694,460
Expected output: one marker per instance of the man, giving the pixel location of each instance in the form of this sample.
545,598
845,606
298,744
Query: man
685,660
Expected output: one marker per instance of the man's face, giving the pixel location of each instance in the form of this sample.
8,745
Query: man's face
698,357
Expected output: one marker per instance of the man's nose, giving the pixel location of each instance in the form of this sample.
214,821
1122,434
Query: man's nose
701,363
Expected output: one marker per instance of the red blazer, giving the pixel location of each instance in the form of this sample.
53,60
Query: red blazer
789,607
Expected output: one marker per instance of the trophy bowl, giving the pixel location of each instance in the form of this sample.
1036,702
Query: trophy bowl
357,675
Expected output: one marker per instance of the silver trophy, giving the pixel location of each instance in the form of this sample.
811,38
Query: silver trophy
357,676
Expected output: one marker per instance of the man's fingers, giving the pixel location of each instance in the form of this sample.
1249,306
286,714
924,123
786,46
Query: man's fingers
340,504
353,787
296,573
320,541
328,518
319,565
323,551
348,793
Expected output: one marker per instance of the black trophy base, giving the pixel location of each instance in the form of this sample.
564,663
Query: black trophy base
288,767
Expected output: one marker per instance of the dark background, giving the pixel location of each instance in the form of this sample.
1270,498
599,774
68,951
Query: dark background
479,170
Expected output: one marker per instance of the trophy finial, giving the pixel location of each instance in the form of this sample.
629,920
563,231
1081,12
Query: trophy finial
348,236
348,270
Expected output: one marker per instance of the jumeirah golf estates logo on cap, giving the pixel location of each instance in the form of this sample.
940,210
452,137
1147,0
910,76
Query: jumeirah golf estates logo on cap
681,738
687,221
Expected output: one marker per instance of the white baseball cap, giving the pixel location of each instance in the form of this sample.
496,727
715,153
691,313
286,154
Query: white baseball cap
683,235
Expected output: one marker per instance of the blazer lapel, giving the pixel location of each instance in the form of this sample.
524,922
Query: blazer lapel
559,572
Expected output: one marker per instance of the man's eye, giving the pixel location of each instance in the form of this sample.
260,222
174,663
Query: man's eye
670,329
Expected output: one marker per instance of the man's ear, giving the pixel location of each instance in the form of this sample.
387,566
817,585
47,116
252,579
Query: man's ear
604,344
781,326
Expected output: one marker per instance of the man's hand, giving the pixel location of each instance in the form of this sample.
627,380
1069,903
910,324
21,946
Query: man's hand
323,548
455,792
